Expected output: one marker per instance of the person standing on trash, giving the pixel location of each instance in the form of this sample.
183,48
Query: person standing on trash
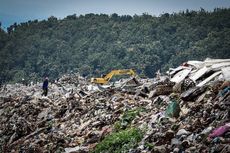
45,87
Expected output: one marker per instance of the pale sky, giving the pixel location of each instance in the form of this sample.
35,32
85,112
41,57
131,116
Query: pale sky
23,10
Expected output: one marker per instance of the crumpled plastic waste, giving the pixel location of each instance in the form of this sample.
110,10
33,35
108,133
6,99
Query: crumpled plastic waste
173,109
220,131
224,91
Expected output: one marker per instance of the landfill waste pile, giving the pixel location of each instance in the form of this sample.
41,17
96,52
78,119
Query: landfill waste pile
186,110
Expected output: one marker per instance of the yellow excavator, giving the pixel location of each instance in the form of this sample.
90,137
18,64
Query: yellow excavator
105,79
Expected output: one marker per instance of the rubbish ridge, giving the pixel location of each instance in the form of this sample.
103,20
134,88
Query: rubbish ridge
186,110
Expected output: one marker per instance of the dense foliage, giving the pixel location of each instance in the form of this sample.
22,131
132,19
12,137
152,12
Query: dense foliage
93,44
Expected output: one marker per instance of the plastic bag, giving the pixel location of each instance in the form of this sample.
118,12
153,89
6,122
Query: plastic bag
219,131
173,109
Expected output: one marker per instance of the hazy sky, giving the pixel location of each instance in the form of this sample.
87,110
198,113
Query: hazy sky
23,10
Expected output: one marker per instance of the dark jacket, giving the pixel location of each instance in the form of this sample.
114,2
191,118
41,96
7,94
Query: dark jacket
45,84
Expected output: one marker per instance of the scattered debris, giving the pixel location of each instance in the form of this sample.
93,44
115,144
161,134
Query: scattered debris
175,113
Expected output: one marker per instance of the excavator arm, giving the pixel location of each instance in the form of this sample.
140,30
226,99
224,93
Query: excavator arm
107,77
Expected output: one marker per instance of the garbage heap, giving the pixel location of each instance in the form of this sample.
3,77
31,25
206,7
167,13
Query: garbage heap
186,110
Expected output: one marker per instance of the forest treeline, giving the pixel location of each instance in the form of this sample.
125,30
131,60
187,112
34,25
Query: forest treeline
94,44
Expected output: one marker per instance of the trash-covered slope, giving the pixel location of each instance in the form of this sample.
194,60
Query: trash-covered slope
173,113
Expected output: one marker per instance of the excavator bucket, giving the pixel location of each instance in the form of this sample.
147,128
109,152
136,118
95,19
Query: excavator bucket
135,80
